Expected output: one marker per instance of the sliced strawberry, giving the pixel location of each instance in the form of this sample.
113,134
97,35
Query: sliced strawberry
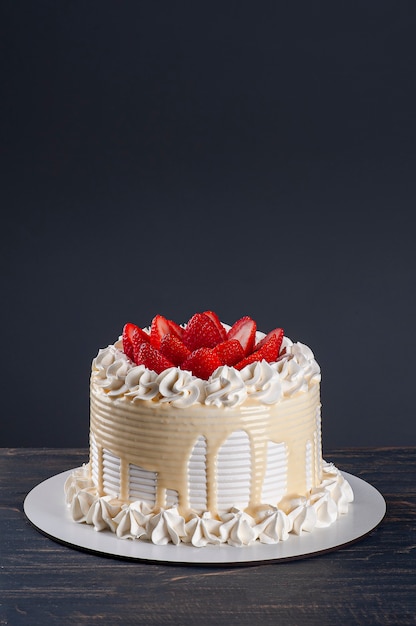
202,362
160,327
245,331
151,358
229,352
277,332
174,349
201,332
214,317
132,337
268,352
126,339
139,336
175,329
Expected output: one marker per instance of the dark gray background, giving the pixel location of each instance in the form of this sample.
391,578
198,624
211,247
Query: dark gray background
168,157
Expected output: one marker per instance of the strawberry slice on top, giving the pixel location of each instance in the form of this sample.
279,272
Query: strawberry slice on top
174,349
244,330
202,362
132,337
151,358
214,317
201,332
276,332
269,352
160,327
229,352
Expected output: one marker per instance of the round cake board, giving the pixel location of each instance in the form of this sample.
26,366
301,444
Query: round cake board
45,508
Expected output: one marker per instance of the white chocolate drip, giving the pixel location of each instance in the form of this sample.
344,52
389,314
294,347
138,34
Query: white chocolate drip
205,458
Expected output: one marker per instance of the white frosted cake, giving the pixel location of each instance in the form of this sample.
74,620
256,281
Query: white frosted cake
206,434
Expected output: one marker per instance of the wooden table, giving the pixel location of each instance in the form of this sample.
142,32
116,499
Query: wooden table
372,581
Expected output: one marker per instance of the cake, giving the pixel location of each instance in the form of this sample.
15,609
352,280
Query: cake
206,433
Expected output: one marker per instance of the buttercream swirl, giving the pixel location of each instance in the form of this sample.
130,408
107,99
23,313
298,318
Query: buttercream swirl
111,368
293,373
179,387
166,526
141,383
202,530
237,528
137,520
262,382
292,377
132,520
273,526
304,357
225,387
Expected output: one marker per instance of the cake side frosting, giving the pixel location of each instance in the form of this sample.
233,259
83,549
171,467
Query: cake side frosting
161,440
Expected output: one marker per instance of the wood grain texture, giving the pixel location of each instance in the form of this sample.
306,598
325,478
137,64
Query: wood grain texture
370,582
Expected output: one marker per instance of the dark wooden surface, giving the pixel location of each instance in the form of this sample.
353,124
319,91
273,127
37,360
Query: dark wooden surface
370,582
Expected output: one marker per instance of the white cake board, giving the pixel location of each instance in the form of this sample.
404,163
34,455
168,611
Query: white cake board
45,508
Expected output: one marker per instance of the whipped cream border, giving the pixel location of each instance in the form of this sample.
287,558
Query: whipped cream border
268,383
138,521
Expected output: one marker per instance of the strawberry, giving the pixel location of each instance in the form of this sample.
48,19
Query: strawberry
229,352
201,332
139,336
175,329
202,362
214,317
151,358
268,352
161,326
277,332
126,339
245,331
132,337
174,349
